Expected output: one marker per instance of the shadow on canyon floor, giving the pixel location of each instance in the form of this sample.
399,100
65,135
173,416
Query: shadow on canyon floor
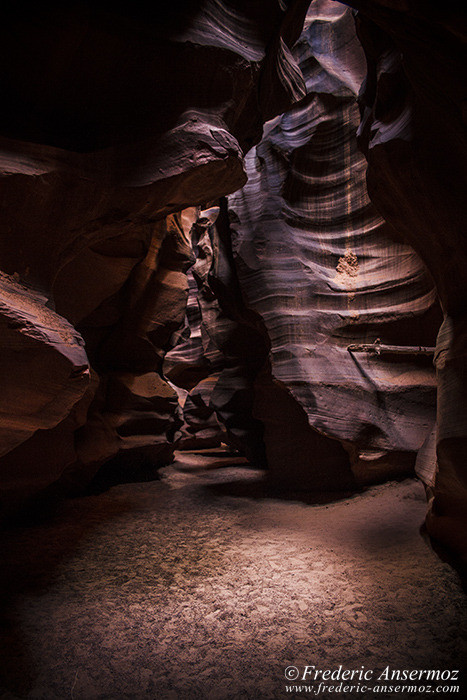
193,587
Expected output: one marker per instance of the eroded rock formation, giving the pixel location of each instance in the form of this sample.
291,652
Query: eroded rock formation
122,132
325,273
113,120
234,344
414,136
193,366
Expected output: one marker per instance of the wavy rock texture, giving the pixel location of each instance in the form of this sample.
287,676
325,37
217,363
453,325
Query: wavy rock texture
239,335
34,336
323,270
119,124
413,133
135,413
193,366
235,344
45,379
113,119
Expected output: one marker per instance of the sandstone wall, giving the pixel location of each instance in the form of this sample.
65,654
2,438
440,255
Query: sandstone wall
413,133
324,271
114,120
122,131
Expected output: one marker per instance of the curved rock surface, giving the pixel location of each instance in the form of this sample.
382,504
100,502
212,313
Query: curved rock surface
325,272
46,388
121,127
227,350
193,366
115,119
34,338
413,132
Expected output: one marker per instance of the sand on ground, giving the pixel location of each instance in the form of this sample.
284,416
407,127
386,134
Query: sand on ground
203,585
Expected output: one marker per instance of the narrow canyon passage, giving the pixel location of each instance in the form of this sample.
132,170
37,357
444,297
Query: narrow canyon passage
203,585
232,240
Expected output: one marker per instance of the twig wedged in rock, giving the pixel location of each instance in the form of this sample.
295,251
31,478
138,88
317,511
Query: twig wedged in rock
379,348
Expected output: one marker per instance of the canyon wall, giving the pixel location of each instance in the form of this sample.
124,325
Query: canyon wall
413,133
115,122
324,323
136,176
324,271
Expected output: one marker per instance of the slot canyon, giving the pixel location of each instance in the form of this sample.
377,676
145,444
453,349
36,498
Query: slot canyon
233,349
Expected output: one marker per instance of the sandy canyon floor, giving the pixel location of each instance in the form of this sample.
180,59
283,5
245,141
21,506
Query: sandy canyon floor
201,585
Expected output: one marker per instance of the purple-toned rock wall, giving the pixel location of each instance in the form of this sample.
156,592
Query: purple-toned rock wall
413,133
325,272
312,289
115,121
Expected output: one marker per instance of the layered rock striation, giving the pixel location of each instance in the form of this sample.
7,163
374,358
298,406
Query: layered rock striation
115,121
328,277
414,137
312,310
